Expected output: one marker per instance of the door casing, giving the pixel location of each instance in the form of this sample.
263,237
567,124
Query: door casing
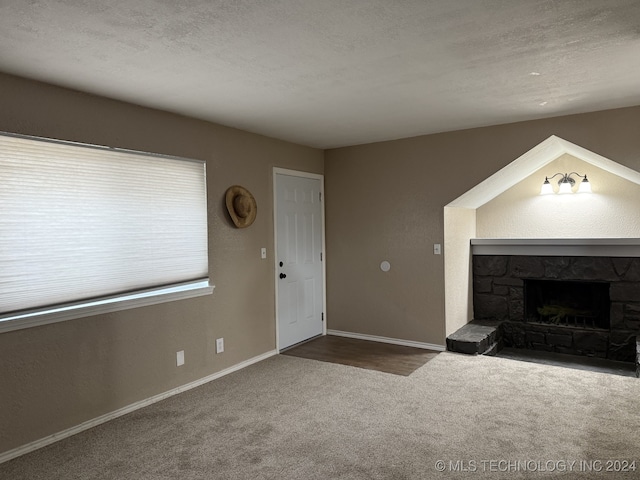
296,173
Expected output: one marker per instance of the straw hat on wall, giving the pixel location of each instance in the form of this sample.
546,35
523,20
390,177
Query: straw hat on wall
241,206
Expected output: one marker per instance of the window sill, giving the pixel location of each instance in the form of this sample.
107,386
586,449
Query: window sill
96,307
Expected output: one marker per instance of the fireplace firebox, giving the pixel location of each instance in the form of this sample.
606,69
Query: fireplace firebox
569,304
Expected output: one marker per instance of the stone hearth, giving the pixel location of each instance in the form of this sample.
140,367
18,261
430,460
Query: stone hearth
499,295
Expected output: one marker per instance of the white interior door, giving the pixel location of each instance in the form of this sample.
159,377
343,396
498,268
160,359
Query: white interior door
299,251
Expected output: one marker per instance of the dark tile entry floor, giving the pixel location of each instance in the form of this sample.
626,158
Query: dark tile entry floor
384,357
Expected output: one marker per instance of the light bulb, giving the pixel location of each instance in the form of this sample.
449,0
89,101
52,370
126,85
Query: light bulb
565,187
546,188
585,186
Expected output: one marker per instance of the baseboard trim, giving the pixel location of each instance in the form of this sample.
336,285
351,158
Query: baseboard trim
394,341
43,442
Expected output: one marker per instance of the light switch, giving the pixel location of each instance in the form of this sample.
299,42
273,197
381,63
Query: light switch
437,249
263,253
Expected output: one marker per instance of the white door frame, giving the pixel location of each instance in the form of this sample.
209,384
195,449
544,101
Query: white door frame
317,176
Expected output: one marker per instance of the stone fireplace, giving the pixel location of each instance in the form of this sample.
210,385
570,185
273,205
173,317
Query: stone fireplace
551,295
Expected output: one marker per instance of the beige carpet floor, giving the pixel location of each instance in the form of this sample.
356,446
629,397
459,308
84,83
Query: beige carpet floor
295,418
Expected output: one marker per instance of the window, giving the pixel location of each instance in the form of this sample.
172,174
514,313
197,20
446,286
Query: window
87,229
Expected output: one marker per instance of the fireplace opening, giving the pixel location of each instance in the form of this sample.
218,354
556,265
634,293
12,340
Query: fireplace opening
567,303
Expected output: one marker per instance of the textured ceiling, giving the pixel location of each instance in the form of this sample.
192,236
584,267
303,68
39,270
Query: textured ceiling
330,73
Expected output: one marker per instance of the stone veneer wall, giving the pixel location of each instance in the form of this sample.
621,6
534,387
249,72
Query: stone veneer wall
498,294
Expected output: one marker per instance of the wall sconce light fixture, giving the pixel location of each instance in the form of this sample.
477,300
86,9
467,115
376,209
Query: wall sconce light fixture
566,184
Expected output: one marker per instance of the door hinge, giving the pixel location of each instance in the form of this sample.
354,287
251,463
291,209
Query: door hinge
323,316
320,195
320,256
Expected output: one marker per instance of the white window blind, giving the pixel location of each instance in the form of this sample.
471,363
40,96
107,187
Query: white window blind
80,223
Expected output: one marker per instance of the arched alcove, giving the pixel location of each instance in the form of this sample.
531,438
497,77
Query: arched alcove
461,216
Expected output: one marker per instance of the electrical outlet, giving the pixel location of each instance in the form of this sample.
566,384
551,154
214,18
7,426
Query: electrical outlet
219,345
437,249
180,358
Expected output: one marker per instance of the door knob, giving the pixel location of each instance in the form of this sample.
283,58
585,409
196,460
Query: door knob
282,275
281,264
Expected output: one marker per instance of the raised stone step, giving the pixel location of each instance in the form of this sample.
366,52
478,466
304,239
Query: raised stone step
479,337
